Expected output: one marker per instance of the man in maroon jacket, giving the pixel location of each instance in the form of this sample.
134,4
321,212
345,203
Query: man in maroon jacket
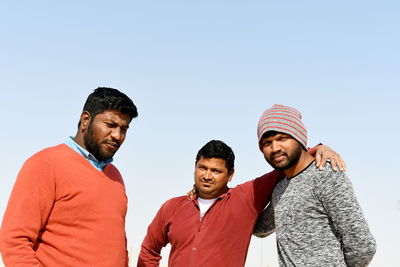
215,228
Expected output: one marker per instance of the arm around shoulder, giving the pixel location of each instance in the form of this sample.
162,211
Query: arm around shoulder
260,190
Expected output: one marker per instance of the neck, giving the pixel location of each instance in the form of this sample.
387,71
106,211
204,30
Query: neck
79,140
303,162
213,194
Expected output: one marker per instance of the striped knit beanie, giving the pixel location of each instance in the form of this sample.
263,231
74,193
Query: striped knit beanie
283,119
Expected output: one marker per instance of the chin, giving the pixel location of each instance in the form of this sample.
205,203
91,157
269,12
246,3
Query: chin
205,192
107,156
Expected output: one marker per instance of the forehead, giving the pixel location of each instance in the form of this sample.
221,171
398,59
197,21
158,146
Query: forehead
212,162
113,115
273,135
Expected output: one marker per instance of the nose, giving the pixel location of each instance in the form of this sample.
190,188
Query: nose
208,175
117,135
275,147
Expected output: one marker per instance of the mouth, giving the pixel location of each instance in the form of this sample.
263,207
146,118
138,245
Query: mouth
112,145
278,157
206,184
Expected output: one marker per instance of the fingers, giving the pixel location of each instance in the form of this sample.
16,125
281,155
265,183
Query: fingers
334,165
323,161
192,193
336,161
339,163
343,165
320,160
324,154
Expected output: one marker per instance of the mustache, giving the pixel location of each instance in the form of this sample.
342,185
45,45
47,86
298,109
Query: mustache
278,154
112,142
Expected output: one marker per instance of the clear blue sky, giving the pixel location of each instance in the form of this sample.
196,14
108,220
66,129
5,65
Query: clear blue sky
201,70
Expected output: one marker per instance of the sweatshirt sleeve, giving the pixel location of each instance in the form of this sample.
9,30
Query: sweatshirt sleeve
155,239
28,209
265,224
339,200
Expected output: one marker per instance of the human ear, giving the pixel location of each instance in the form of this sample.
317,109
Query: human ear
231,175
85,120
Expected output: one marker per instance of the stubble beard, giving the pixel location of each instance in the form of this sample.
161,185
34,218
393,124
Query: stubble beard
93,147
291,159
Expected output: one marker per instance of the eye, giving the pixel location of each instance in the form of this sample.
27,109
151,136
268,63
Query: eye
284,138
265,143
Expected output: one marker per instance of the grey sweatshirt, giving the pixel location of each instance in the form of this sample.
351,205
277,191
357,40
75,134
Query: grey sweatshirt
318,221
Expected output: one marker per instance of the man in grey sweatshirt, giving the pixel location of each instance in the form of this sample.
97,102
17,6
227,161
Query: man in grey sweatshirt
315,213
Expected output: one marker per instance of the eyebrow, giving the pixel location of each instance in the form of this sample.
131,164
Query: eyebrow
111,121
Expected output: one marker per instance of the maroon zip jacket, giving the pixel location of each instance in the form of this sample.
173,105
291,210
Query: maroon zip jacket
221,238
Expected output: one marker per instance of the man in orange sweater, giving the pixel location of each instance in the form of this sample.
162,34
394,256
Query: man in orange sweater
68,204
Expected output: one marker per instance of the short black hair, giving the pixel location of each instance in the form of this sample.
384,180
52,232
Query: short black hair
105,98
220,150
269,134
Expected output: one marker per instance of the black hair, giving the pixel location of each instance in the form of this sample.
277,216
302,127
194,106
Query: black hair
105,98
269,134
220,150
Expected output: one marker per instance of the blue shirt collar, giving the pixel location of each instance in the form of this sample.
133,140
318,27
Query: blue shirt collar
97,164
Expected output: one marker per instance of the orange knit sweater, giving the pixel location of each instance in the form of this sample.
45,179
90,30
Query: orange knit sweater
64,212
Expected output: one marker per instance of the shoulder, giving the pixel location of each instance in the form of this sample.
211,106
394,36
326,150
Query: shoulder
173,205
267,178
328,181
48,155
53,153
177,201
111,169
42,166
270,175
113,173
327,174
